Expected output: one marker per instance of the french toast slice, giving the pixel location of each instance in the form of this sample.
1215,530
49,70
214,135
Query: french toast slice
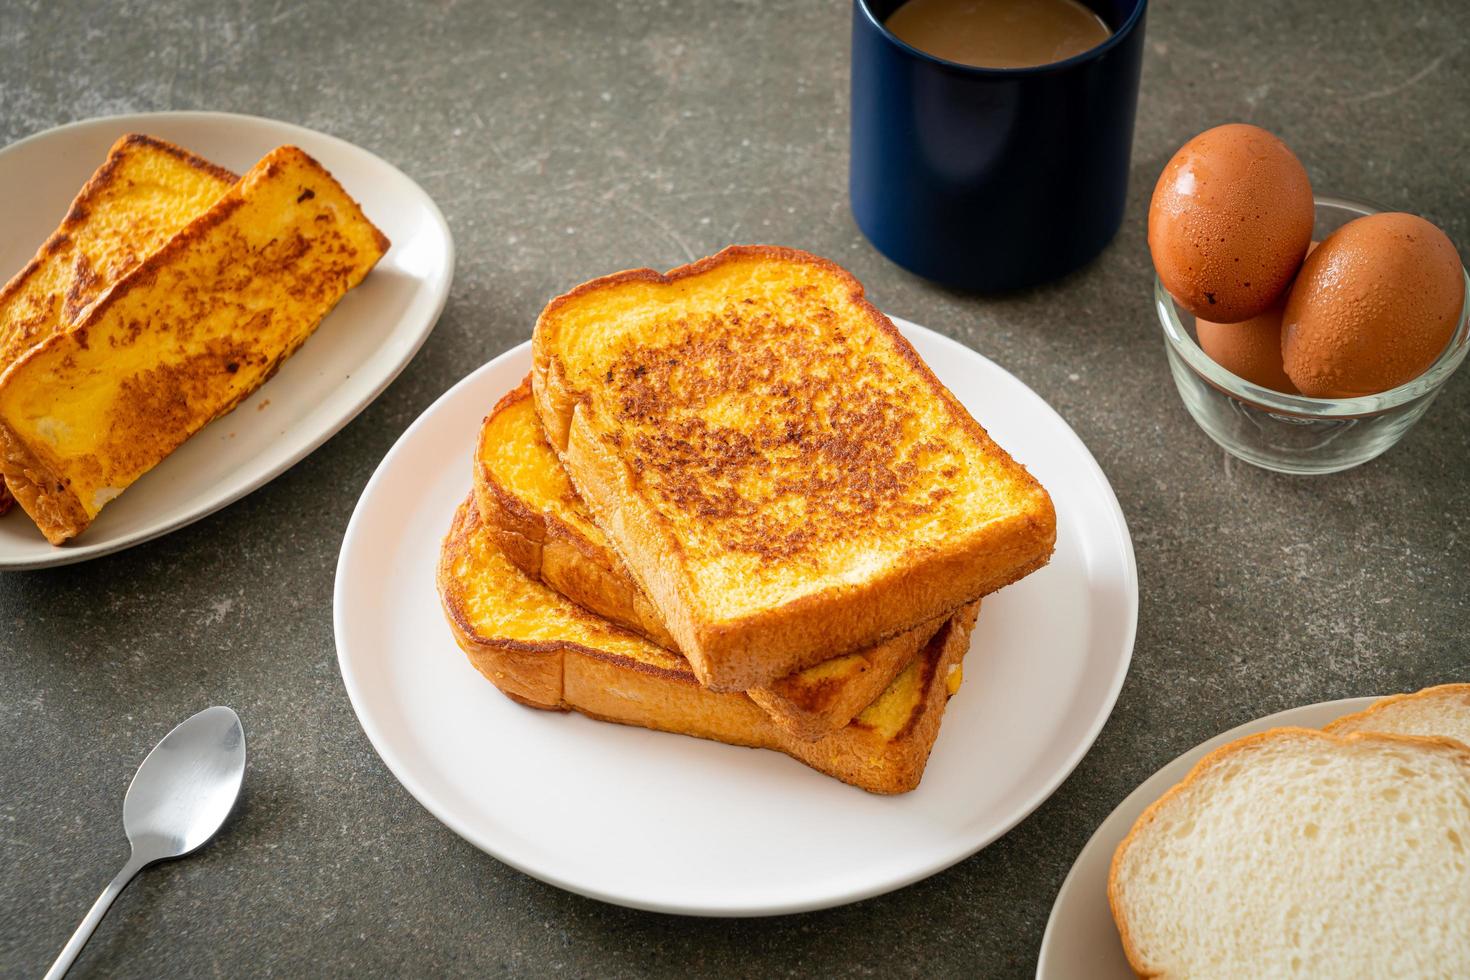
543,650
183,338
142,194
542,526
780,471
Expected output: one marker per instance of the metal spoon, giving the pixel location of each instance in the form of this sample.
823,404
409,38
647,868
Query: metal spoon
181,795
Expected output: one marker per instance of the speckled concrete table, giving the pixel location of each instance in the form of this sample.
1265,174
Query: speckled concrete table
564,140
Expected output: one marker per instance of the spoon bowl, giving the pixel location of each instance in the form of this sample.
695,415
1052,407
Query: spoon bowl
186,786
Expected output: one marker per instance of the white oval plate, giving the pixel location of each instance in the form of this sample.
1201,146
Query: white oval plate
672,824
1080,938
360,347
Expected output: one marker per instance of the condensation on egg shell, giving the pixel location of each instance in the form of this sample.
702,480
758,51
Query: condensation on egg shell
1250,349
1373,307
1229,222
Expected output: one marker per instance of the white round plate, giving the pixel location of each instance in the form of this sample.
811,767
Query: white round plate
673,824
1080,938
354,354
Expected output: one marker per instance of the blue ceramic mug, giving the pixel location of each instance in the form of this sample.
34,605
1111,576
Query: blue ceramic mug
991,178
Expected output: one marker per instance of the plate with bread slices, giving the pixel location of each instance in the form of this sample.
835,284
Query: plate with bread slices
191,303
1327,840
730,508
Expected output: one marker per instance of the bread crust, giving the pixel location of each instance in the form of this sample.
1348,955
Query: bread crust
546,547
48,501
1360,718
809,710
531,673
567,675
1202,769
753,650
550,549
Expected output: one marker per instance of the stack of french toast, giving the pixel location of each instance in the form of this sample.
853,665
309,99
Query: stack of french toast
171,290
732,502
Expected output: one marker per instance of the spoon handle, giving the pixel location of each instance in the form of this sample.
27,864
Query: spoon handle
94,916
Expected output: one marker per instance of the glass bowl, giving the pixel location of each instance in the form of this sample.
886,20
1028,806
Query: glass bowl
1294,433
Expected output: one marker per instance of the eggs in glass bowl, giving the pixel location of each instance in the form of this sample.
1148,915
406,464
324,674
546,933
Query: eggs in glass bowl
1294,355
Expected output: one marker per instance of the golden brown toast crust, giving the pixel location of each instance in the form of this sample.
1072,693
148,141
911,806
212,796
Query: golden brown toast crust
551,550
810,706
1199,771
40,492
567,675
663,470
176,392
810,703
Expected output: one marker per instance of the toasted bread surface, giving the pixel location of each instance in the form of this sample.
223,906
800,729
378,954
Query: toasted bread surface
142,195
1299,852
144,192
1443,710
542,526
196,327
546,651
527,500
779,470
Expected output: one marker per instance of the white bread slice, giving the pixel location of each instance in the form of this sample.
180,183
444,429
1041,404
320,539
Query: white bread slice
1442,710
1299,853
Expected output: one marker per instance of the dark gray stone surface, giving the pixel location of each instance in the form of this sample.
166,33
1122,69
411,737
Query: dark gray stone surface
564,140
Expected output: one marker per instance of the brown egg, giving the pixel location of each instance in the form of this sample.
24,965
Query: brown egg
1229,223
1250,349
1372,308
